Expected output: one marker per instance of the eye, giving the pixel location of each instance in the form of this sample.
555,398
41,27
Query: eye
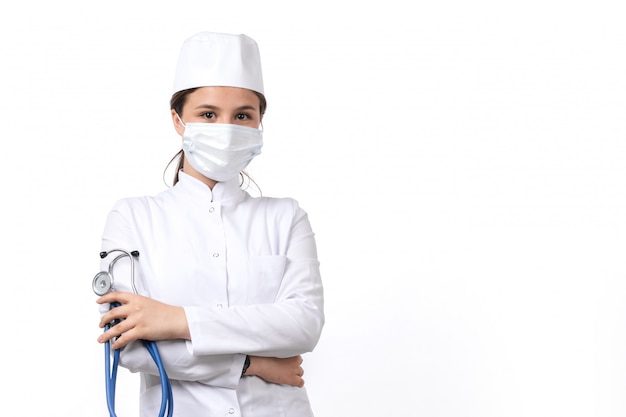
208,115
242,116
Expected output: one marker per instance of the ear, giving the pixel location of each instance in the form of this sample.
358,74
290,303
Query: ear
178,126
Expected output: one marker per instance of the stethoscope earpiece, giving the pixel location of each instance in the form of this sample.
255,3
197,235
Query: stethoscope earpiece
103,281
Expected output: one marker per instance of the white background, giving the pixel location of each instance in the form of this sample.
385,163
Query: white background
463,164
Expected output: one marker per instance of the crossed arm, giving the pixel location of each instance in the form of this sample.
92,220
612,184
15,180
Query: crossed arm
143,318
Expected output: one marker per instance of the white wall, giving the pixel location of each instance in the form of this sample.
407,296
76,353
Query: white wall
463,165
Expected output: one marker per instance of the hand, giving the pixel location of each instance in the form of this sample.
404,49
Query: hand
141,318
277,370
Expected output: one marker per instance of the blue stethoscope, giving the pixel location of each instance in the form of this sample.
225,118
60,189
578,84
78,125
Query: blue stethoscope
102,284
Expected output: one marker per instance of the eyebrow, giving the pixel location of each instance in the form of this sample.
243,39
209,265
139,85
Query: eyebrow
212,107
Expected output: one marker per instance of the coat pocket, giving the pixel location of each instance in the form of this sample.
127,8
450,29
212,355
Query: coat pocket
266,274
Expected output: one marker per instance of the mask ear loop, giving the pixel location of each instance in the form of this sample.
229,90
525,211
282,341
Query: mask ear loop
181,121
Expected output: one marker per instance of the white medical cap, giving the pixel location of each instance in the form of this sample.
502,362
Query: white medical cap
219,59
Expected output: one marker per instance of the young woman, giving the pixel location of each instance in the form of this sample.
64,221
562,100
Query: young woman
226,283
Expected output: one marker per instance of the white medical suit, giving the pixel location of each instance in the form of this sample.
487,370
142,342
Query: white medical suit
245,269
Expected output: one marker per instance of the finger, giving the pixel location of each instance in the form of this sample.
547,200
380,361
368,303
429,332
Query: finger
116,341
121,341
119,296
118,338
107,320
114,331
107,336
116,314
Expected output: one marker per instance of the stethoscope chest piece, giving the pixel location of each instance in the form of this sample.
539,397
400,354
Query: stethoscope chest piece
102,283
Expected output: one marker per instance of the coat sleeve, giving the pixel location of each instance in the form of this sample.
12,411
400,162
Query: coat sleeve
288,326
219,370
216,370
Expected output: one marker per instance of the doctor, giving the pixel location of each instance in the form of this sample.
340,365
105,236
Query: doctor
228,284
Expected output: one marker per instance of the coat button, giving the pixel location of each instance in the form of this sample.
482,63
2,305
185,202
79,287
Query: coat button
216,255
212,209
231,411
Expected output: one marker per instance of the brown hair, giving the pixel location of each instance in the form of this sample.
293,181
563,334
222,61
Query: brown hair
177,102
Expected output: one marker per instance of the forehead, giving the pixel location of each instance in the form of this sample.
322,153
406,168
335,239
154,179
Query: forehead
223,97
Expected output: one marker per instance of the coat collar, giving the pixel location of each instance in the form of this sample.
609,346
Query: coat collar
224,193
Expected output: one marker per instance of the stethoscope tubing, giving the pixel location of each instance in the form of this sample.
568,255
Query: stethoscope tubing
166,387
111,375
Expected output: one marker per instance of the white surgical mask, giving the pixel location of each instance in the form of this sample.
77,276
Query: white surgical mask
220,151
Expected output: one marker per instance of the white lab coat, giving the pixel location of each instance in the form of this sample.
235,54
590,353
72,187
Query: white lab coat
246,272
